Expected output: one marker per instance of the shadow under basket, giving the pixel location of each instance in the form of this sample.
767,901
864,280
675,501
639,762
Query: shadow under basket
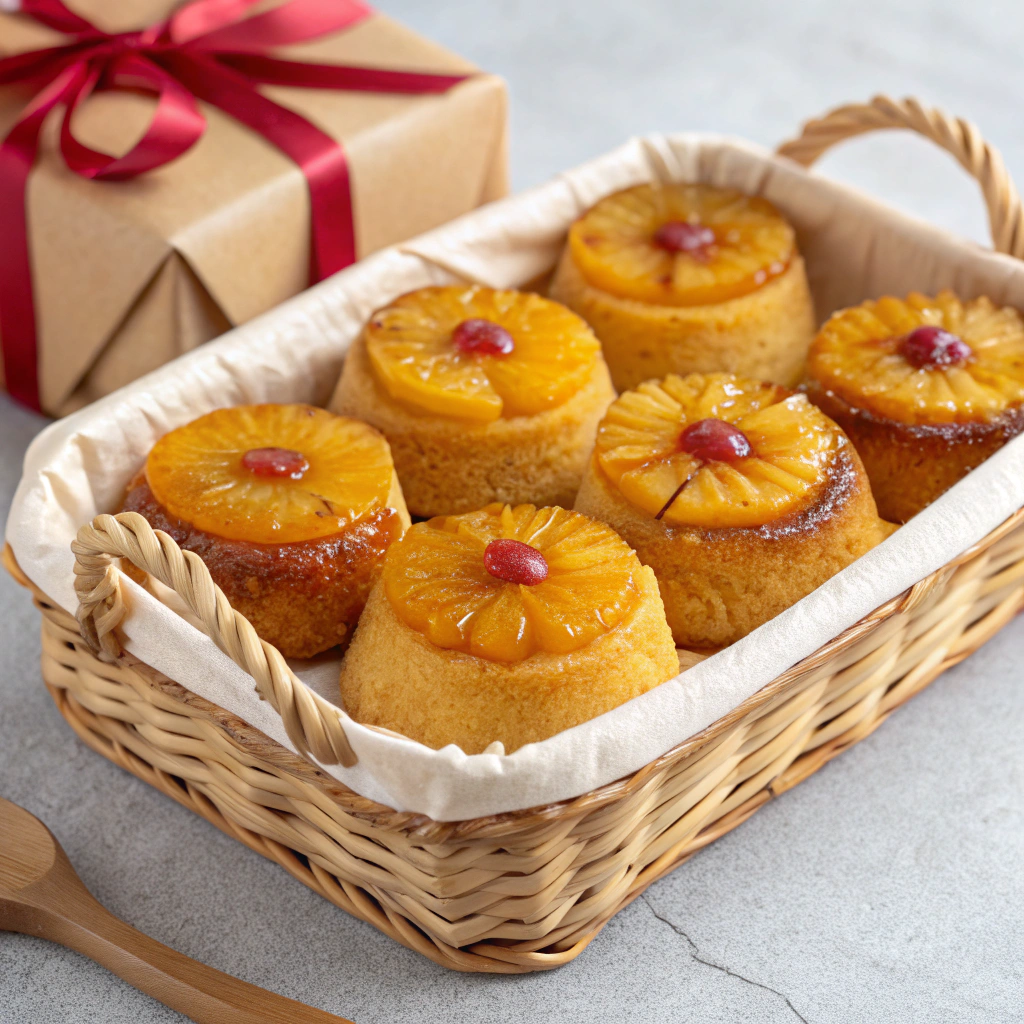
526,890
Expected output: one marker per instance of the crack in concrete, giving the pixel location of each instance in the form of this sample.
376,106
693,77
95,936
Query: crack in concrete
696,955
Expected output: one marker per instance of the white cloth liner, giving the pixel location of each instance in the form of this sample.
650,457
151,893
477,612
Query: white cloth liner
855,248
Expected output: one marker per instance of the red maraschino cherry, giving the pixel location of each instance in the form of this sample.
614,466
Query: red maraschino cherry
932,348
484,337
714,440
681,236
515,562
275,462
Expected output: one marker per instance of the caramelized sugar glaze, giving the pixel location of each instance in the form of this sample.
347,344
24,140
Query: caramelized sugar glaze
927,388
794,501
910,465
462,583
682,245
484,395
290,507
689,278
331,576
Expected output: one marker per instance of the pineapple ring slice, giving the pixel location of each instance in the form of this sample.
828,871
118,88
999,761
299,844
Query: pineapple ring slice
196,473
856,356
615,247
437,583
411,350
638,449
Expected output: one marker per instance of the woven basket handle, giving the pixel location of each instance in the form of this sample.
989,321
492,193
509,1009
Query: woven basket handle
312,723
958,137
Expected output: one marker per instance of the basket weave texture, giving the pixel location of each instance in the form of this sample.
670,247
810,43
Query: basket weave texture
527,890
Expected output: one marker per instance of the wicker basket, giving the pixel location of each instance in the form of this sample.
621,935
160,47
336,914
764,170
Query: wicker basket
527,890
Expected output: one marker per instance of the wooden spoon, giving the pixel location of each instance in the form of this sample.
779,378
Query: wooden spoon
41,895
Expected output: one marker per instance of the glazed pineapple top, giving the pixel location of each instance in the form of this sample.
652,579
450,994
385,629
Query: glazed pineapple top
271,474
715,450
923,360
478,355
681,245
504,583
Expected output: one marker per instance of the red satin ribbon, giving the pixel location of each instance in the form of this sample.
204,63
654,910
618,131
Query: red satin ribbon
209,51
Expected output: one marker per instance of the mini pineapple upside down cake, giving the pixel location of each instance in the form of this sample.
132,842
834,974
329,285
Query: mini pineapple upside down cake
683,278
506,624
926,388
290,507
740,495
483,395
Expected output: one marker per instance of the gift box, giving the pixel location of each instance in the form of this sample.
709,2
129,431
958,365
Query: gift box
216,164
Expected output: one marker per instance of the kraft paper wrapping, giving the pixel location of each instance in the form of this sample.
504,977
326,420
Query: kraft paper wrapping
855,248
129,275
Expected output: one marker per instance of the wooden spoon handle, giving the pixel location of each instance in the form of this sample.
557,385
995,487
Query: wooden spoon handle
206,995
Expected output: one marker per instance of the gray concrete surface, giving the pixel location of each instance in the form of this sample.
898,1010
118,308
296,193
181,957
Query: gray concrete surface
886,888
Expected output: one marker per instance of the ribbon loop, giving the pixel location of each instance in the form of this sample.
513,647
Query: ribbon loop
175,127
211,50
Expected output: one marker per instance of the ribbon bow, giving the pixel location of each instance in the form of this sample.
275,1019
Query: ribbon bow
206,51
